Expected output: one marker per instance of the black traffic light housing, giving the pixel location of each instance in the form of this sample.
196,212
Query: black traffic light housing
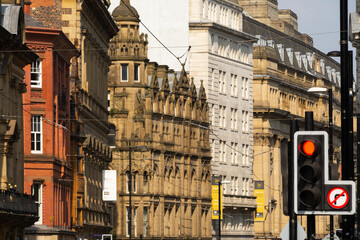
309,175
314,192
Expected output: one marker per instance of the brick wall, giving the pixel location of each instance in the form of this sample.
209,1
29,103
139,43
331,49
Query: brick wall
48,12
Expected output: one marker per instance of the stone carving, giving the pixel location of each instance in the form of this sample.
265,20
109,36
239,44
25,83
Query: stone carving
139,104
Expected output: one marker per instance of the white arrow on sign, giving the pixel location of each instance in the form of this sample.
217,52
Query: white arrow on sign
338,198
301,234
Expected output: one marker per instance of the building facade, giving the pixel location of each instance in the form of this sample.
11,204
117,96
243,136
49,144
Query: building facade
221,55
89,26
286,65
46,130
18,210
162,122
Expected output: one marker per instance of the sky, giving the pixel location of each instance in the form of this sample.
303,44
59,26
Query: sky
318,18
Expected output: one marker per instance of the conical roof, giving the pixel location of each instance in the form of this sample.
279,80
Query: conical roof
125,12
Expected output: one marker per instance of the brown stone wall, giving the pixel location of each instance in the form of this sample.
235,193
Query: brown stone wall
48,12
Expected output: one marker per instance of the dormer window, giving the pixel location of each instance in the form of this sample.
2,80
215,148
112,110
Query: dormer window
124,73
36,74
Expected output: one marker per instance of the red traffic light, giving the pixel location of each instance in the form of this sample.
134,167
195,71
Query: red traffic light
308,148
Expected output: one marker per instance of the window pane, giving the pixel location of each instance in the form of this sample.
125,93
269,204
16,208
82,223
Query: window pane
136,73
124,73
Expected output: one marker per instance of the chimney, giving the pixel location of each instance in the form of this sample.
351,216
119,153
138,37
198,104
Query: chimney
27,4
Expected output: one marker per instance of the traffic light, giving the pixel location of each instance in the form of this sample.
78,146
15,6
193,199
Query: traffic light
310,151
314,192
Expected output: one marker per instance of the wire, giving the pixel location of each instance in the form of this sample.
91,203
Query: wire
46,120
151,32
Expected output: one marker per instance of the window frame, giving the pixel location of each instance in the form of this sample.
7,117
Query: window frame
36,83
39,200
137,72
36,132
127,73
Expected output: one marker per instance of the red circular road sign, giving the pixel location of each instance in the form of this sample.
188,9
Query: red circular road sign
338,197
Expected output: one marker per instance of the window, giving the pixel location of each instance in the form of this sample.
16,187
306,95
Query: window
128,224
222,116
235,86
247,155
128,182
232,84
108,100
36,134
243,121
234,150
232,185
235,153
136,73
213,148
36,75
220,81
222,151
233,118
212,79
246,88
247,187
145,220
145,182
124,73
224,82
247,122
36,191
243,187
243,87
243,154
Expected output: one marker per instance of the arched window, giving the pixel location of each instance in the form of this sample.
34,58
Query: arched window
145,182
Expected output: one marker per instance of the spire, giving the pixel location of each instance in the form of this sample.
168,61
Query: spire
202,93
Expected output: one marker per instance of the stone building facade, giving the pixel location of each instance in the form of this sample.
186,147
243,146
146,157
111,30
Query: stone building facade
89,26
46,130
286,65
221,55
167,117
18,210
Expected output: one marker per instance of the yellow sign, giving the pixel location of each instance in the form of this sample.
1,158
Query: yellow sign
215,199
259,193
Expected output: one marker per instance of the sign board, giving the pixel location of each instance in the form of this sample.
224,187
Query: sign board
109,191
338,197
215,198
285,234
259,193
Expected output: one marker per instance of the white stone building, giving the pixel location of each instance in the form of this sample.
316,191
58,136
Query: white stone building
220,55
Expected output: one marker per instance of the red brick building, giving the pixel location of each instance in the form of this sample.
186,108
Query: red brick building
46,130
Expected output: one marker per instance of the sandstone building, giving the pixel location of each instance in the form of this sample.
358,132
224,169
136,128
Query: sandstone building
286,65
46,130
89,26
18,210
221,55
164,119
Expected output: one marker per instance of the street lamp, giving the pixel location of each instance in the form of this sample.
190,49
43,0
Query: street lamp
130,185
329,91
220,207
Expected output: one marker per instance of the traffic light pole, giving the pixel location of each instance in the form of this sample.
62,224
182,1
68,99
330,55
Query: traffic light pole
331,151
309,126
358,174
347,223
293,216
